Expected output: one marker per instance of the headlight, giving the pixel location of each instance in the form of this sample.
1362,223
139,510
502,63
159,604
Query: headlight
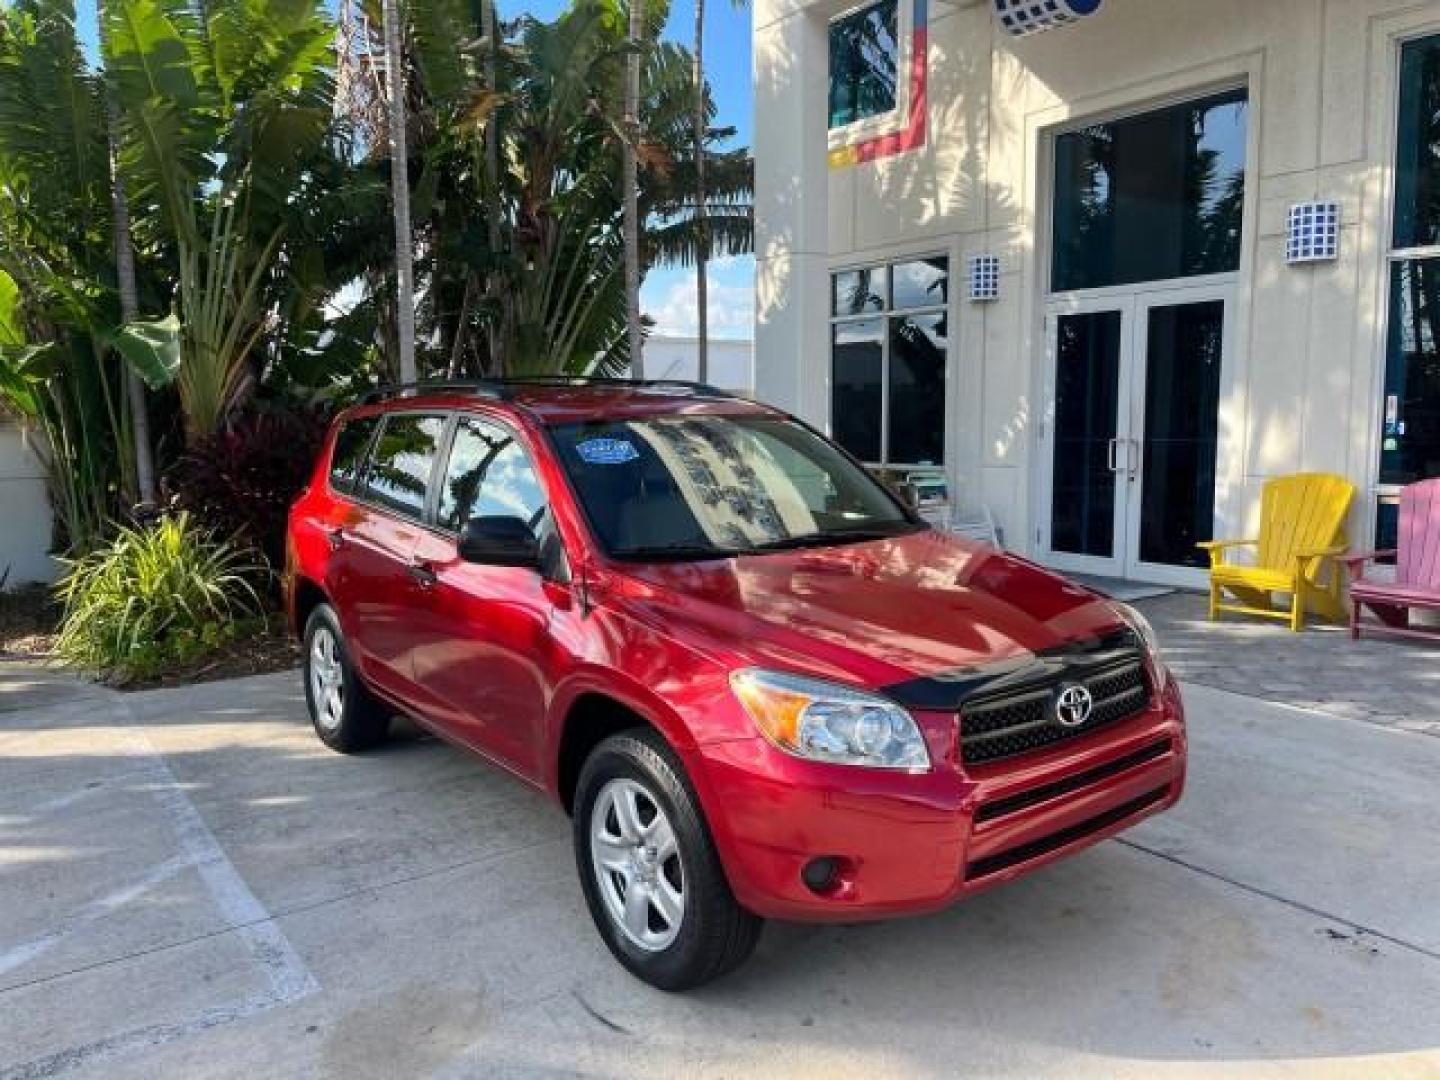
1142,627
825,722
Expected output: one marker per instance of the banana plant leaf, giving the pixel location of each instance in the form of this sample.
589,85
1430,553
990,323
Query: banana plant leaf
151,348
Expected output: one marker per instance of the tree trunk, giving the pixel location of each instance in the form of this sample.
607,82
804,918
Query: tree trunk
145,493
400,192
495,337
702,220
632,190
462,331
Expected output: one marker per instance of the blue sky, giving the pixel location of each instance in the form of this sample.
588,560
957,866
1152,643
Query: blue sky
669,294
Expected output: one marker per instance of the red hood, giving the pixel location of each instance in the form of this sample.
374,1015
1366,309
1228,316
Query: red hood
877,613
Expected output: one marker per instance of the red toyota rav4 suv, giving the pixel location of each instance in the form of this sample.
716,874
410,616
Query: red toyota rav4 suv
761,686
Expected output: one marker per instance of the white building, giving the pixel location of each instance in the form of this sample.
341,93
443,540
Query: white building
731,363
25,519
1155,349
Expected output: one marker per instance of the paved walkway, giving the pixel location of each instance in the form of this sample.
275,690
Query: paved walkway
191,885
1392,683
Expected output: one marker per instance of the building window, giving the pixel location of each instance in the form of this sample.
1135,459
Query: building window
1417,165
1152,197
864,63
1410,421
889,346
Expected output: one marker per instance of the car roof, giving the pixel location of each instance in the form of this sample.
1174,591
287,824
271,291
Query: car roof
563,400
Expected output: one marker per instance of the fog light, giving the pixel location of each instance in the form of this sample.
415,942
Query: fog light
820,875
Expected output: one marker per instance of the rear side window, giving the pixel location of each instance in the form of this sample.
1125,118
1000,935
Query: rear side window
348,458
400,464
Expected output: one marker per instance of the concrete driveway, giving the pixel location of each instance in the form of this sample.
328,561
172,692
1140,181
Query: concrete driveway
190,885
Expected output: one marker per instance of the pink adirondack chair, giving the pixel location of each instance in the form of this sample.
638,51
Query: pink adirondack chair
1417,570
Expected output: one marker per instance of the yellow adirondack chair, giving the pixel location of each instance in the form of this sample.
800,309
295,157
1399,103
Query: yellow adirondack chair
1302,533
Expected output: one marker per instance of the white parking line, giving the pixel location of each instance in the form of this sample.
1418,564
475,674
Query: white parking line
288,977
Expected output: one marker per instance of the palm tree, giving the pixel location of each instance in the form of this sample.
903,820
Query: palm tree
704,230
64,351
702,242
550,243
129,293
400,193
630,180
490,32
214,157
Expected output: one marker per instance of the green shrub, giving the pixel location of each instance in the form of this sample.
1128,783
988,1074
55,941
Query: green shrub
243,478
156,597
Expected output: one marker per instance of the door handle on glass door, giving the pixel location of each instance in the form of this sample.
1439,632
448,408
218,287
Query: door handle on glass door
1132,458
1114,455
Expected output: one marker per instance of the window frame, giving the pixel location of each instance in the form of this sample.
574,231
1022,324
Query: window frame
1385,493
869,127
887,314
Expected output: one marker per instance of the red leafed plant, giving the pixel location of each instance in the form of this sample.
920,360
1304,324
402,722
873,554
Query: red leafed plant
241,481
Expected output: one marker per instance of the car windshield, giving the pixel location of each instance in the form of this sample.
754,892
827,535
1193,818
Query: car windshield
710,486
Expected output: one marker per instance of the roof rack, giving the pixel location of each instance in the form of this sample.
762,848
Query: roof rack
503,389
384,392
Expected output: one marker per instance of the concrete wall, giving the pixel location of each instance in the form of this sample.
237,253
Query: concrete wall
25,519
1302,389
732,363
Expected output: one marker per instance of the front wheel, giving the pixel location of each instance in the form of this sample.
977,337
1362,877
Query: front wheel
651,876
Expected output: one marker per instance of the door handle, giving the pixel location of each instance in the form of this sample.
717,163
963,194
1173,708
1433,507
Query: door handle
1114,456
335,537
1132,457
423,573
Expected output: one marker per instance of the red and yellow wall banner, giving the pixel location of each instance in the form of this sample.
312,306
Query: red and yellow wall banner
908,132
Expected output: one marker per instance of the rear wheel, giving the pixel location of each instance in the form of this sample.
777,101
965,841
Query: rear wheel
346,716
649,869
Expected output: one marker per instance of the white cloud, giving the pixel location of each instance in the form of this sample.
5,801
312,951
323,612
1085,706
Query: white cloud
731,310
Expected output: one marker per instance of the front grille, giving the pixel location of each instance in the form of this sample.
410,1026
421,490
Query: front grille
993,864
1022,719
1013,804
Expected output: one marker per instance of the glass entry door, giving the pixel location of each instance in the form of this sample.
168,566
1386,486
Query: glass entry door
1130,433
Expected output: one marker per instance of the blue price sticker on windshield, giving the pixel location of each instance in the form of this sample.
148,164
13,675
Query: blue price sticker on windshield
606,451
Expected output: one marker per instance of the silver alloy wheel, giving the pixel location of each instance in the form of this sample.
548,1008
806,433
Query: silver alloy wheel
327,679
637,864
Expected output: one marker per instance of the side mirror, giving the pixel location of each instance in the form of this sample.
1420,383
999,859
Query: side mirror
499,541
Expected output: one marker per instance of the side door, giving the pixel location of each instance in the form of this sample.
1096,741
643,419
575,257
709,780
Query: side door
378,590
1181,345
486,649
1084,447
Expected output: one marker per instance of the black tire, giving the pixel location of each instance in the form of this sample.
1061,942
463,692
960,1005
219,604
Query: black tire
363,720
715,934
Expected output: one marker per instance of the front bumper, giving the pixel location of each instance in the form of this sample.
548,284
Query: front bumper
908,844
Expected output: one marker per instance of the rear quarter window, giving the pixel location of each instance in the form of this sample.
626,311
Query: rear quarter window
348,458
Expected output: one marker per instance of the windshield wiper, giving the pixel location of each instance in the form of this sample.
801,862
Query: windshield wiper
827,537
674,553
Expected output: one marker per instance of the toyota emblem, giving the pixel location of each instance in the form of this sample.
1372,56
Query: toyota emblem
1073,706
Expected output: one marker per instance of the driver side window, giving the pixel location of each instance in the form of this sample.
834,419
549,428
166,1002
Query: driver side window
489,474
